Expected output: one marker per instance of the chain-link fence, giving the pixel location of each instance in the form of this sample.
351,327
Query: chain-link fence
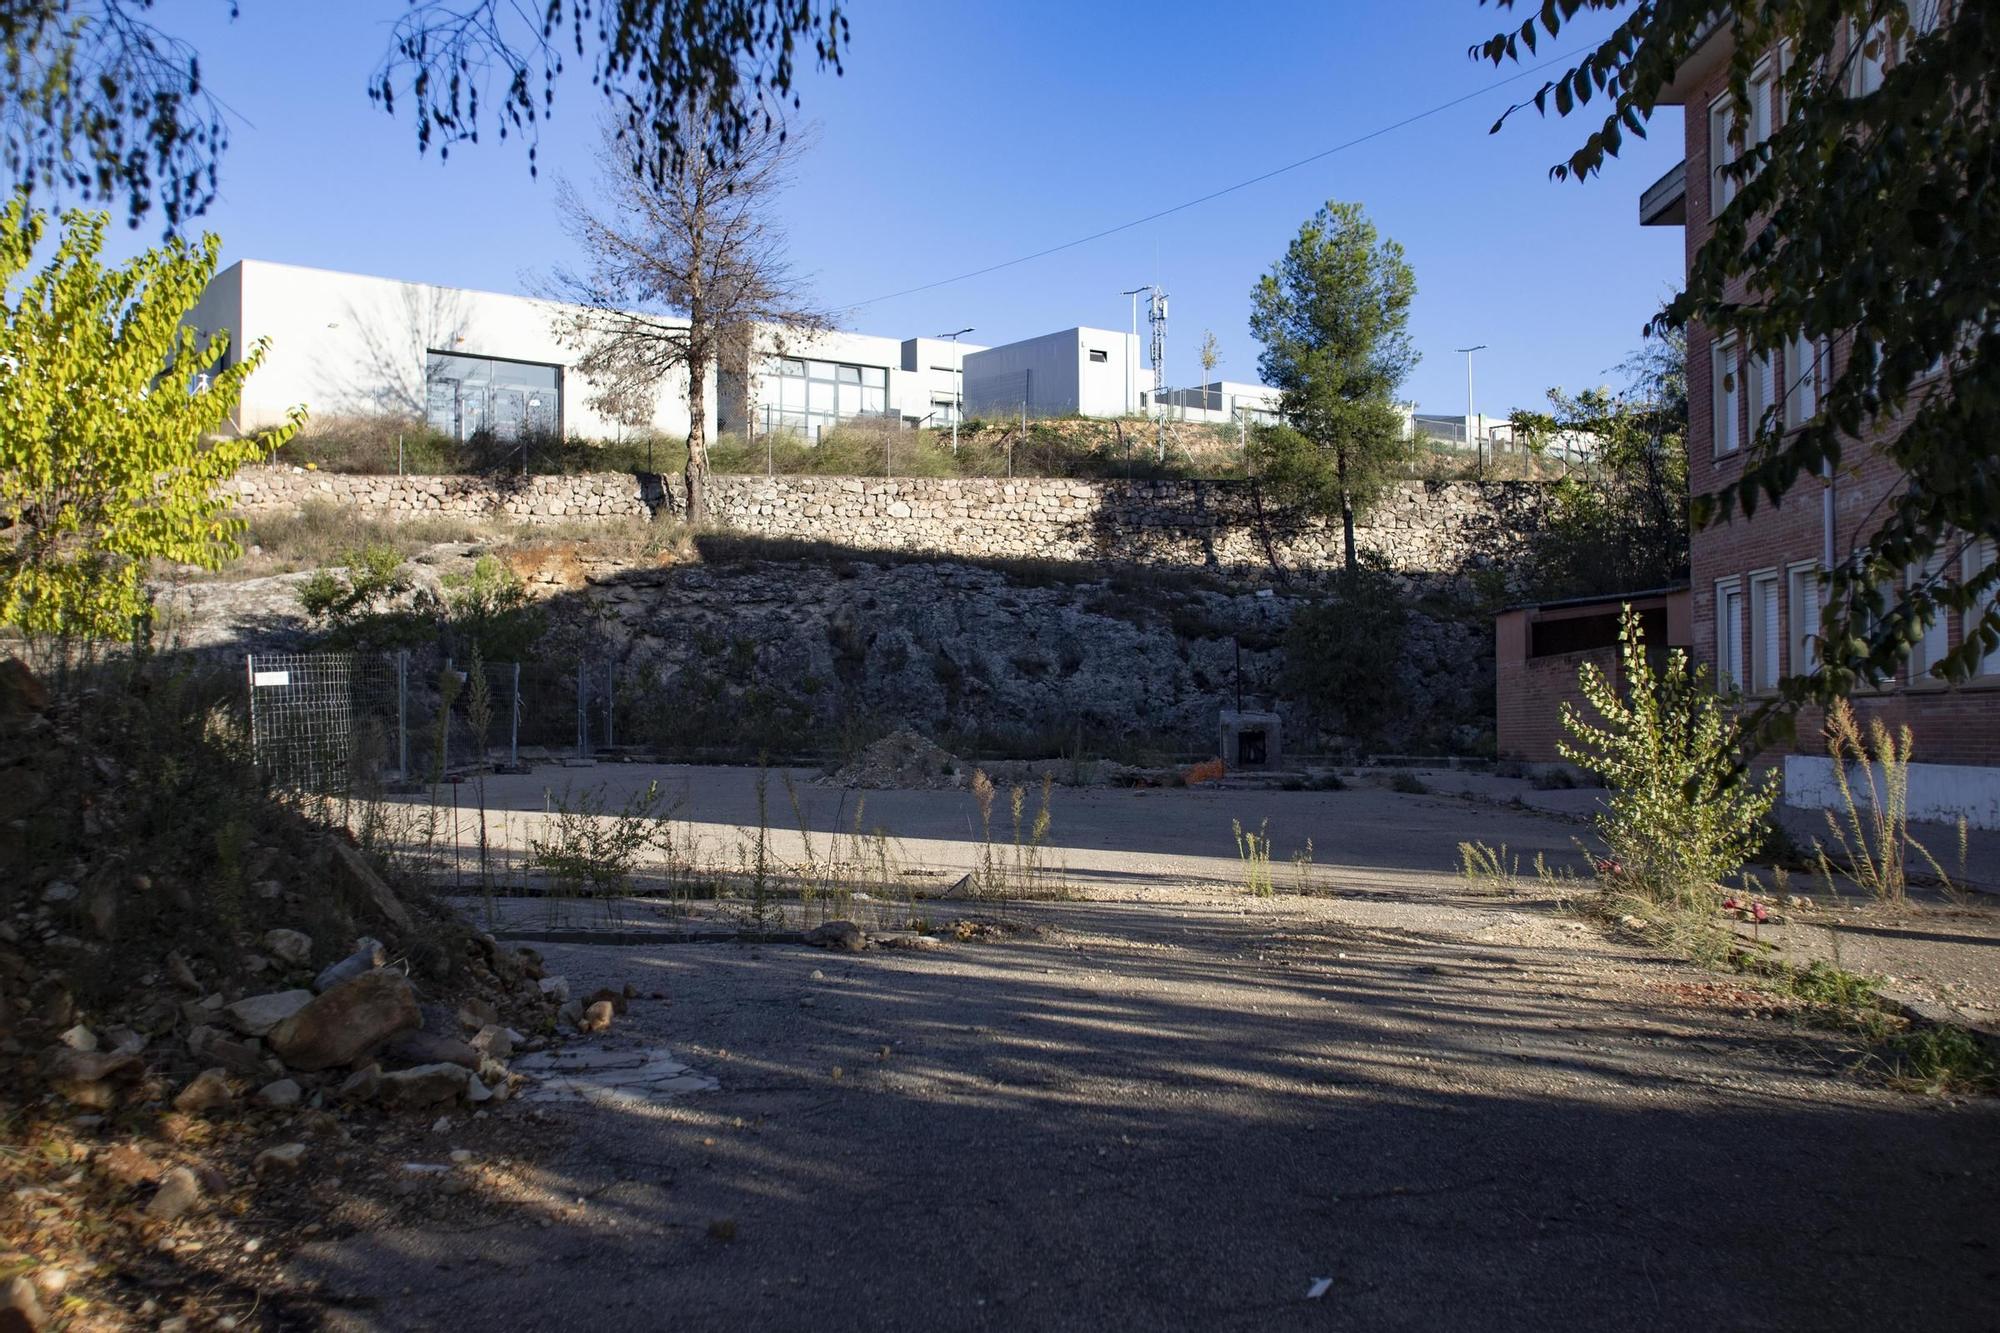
329,721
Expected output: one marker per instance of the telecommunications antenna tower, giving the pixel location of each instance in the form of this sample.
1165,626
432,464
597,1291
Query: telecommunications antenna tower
1156,315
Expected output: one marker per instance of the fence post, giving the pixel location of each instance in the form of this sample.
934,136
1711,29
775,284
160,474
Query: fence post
403,714
610,703
514,729
582,711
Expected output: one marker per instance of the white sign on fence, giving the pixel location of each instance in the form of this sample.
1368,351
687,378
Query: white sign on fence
271,678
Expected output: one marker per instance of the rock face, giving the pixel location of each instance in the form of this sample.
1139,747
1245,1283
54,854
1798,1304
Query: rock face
957,648
347,1022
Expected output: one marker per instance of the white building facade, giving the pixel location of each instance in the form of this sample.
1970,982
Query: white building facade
468,362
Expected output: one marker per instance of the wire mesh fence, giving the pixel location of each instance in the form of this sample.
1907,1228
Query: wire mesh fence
332,721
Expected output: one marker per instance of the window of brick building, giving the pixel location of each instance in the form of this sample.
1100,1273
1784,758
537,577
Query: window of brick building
1729,634
1978,558
1803,607
1766,631
1727,394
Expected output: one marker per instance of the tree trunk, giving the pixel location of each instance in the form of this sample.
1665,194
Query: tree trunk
696,472
1347,531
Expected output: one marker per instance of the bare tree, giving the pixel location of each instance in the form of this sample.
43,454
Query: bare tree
682,267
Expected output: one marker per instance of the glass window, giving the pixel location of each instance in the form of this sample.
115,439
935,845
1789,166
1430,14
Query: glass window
1764,632
1977,559
876,376
847,374
1721,153
467,395
1804,614
1728,635
1727,397
1930,649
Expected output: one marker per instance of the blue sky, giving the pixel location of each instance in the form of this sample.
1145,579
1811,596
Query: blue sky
963,135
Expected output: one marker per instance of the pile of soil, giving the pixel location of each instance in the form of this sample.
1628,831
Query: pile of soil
904,760
222,1019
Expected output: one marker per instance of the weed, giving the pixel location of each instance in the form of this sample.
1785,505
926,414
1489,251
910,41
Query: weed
1253,850
1302,870
1942,1059
1489,869
1873,834
1408,783
591,850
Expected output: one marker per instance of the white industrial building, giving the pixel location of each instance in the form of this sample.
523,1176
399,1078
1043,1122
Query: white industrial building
471,361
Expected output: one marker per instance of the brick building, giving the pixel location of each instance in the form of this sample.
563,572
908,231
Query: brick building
1539,650
1755,581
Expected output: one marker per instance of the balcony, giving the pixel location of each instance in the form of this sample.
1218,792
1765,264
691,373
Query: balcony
1664,204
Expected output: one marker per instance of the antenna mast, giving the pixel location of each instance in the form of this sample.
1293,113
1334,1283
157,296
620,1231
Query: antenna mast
1156,315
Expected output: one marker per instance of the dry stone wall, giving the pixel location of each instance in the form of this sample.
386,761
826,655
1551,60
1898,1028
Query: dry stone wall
1420,528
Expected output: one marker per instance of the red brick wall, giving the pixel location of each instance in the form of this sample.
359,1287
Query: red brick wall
1959,724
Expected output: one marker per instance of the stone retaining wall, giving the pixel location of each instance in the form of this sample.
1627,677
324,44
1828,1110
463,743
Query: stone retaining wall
1419,528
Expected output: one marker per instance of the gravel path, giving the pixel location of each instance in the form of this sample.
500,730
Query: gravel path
1180,1109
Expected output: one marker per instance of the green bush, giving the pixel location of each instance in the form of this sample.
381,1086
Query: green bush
1681,813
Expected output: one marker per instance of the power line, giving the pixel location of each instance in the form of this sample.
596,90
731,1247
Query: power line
1227,189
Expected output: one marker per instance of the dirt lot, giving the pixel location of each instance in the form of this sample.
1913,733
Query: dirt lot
1167,1104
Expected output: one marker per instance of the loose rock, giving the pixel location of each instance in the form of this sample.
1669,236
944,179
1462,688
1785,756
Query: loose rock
257,1015
426,1085
285,1158
204,1092
292,946
367,956
284,1092
20,1308
837,935
179,1191
347,1022
596,1018
555,988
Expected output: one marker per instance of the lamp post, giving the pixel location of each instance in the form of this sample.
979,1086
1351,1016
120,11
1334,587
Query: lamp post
1479,445
957,384
1132,348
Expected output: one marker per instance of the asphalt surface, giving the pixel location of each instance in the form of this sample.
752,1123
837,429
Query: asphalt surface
1180,1108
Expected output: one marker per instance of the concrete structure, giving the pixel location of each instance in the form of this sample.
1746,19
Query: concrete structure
468,362
1221,402
1756,580
1251,740
1538,651
1076,372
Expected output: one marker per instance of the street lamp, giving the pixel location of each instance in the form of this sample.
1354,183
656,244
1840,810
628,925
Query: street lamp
1479,445
957,384
1132,348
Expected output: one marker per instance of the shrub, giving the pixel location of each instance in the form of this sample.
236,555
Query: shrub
1336,648
1681,813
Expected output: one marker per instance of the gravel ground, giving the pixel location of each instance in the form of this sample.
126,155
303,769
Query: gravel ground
1172,1106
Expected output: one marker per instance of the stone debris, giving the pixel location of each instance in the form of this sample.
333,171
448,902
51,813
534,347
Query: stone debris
363,1085
596,1018
599,1076
79,1038
495,1041
555,988
92,1079
429,1048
